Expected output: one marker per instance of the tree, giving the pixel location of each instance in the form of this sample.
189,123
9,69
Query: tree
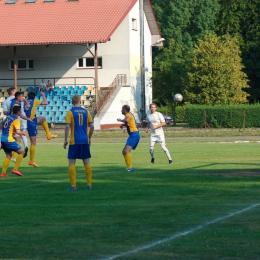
241,19
215,75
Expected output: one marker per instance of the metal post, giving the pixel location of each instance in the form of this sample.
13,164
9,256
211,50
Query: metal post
142,60
96,75
15,69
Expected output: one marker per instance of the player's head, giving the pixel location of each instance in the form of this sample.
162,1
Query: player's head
76,100
152,107
19,96
16,110
11,91
125,109
42,80
31,94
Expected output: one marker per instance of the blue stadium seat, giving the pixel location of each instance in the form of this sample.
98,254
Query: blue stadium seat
69,98
44,113
65,92
49,119
65,103
77,88
30,89
59,93
49,98
56,88
53,93
63,88
80,92
62,108
58,103
83,88
54,109
70,88
48,108
41,108
46,93
63,98
62,119
56,98
51,103
73,92
58,113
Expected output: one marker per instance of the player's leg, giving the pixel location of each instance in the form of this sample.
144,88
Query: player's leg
6,161
163,146
32,152
14,154
128,157
88,171
72,174
42,120
18,162
152,143
23,137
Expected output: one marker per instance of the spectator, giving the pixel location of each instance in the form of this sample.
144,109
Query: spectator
42,86
49,86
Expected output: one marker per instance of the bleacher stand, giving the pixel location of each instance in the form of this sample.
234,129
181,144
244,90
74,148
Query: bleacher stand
59,100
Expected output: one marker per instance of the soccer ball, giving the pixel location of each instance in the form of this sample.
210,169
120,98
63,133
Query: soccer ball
178,97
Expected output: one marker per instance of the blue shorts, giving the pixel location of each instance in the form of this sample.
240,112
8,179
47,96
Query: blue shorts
133,140
10,147
79,151
31,127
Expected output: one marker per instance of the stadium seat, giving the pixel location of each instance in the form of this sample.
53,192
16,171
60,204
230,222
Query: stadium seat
66,103
49,98
83,98
52,103
58,113
83,88
6,94
41,108
58,103
53,93
73,92
23,89
77,88
49,119
63,88
59,93
44,113
30,89
65,92
63,98
2,99
48,108
69,98
62,119
56,98
70,88
80,92
56,88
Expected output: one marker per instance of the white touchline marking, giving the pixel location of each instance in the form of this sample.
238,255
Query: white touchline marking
177,235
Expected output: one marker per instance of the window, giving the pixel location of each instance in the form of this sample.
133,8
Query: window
89,62
11,1
22,65
134,24
30,1
49,1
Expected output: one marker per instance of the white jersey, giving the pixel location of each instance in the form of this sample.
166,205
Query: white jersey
155,119
7,103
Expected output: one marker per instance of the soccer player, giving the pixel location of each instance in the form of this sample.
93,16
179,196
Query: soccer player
78,120
10,127
19,100
155,123
134,136
31,125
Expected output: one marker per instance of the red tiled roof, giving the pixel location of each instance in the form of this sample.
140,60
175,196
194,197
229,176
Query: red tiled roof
61,22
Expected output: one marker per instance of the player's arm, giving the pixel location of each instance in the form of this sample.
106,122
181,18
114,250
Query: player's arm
19,132
27,105
91,130
44,102
24,117
5,108
125,120
147,127
67,130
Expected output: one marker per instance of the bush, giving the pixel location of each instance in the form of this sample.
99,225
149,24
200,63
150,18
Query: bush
227,116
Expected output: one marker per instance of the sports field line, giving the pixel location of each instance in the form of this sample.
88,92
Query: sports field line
180,234
45,183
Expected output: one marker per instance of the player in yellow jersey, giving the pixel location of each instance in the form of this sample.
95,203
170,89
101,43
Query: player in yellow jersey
134,135
78,120
10,127
31,126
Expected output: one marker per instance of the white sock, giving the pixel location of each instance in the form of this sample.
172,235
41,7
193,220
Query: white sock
152,152
166,152
25,141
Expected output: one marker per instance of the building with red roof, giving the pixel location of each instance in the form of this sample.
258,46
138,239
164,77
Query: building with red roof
55,39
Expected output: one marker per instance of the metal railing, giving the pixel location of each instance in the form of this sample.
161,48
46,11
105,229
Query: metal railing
120,79
73,81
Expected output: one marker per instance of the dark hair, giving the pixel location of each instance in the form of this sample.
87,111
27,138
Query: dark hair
31,94
126,107
152,104
17,94
10,90
16,109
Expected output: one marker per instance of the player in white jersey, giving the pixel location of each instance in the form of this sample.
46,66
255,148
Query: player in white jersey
155,121
6,110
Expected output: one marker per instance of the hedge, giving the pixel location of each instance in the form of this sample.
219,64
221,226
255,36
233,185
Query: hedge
227,116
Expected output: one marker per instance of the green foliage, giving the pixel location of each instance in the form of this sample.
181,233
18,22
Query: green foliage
227,116
215,74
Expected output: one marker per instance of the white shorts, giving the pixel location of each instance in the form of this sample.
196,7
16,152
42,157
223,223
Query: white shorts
157,139
23,124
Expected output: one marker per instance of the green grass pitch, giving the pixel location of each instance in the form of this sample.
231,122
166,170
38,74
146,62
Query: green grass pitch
203,206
